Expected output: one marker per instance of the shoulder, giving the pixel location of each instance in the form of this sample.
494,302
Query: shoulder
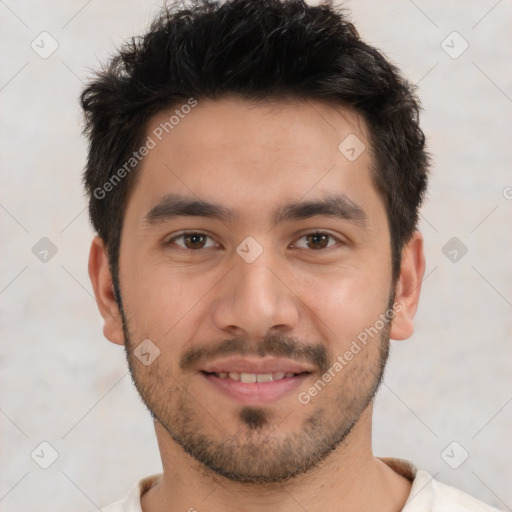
432,495
429,495
131,502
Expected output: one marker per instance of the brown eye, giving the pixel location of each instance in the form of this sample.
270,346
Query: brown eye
192,241
317,240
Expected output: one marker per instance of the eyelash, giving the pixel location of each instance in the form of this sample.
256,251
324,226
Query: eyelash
185,233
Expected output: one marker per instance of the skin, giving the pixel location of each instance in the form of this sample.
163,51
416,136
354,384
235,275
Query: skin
253,159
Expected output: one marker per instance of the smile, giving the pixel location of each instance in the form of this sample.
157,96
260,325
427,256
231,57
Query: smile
246,388
254,377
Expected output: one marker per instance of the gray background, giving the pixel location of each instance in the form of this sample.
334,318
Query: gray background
63,383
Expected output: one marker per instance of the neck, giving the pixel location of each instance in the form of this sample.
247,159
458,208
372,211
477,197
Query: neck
350,478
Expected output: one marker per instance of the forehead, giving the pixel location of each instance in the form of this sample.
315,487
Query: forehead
273,123
249,155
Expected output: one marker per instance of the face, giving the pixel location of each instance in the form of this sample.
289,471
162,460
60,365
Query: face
255,257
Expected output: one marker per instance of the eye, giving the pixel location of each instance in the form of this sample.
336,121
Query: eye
191,240
318,240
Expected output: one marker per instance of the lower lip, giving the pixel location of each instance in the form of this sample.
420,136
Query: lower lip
257,392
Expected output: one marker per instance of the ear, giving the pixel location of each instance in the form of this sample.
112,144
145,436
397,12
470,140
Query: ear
408,287
101,279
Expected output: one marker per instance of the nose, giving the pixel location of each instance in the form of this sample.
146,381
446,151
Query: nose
255,300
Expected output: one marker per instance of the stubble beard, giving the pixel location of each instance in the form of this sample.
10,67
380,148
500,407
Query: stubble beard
258,452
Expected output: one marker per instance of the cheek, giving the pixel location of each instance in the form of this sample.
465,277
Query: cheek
161,302
346,304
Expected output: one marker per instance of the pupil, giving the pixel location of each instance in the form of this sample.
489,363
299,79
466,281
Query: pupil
195,240
319,240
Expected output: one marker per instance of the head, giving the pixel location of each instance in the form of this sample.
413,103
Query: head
254,176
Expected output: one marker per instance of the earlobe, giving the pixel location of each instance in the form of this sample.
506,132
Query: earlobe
101,279
408,287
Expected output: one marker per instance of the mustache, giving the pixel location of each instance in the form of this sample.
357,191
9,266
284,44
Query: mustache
272,345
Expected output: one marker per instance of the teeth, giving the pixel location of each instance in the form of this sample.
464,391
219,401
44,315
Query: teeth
264,377
254,377
248,377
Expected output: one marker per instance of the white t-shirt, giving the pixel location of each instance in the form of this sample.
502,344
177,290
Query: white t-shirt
427,494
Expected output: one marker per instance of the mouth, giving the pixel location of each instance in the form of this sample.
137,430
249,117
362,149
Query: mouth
251,378
255,382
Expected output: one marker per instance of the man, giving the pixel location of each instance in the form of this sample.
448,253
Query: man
255,173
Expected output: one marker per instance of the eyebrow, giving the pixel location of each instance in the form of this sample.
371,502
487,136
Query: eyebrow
175,205
338,206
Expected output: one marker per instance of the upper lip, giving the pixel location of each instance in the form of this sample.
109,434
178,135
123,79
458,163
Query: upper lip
255,365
